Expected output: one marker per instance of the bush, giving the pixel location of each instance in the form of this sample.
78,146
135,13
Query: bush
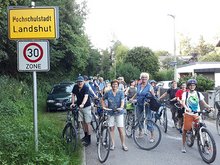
164,75
16,128
203,83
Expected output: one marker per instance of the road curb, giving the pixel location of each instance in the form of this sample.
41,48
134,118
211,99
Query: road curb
83,156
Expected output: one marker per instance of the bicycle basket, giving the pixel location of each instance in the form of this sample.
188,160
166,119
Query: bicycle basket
129,107
154,104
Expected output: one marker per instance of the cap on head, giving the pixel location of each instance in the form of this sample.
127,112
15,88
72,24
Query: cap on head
80,79
85,77
152,81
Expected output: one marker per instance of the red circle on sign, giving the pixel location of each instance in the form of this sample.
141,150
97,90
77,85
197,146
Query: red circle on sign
33,44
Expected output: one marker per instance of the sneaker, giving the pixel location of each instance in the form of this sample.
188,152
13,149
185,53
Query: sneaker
152,140
125,148
83,139
184,149
112,147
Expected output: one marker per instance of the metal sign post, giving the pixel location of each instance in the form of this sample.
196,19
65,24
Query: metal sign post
35,110
35,102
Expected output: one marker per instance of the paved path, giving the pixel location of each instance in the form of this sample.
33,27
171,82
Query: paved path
167,153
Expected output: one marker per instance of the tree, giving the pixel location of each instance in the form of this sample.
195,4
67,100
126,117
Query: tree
203,48
213,56
144,59
94,62
185,45
106,64
128,71
120,53
161,53
164,75
68,54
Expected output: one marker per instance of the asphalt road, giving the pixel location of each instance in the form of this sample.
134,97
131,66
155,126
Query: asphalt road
168,152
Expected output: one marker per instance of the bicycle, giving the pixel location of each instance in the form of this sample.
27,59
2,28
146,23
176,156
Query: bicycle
129,118
218,117
217,106
70,133
103,136
205,141
161,115
180,112
151,138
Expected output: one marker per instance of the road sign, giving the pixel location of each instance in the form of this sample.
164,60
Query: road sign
33,23
33,56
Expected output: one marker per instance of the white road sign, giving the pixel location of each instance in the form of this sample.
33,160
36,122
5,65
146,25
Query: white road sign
33,56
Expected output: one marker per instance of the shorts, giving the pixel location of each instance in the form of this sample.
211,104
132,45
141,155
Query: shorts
85,114
116,119
188,119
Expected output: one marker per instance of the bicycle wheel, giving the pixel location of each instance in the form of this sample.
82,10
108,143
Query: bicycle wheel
128,124
104,142
94,122
218,123
149,137
164,120
70,138
208,150
189,138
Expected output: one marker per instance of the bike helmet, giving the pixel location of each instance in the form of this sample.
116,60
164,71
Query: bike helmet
152,81
191,81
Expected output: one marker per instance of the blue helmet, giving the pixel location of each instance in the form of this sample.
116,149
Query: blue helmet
191,81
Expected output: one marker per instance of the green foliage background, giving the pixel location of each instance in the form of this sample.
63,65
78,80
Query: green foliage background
203,83
16,128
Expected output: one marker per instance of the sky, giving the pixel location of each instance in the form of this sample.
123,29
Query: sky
146,22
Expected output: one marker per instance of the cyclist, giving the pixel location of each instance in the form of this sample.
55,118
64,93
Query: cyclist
107,87
131,90
181,109
156,88
190,101
90,86
81,92
115,101
121,84
144,89
171,92
101,84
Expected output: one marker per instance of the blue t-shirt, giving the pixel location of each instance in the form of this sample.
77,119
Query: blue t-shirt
80,94
114,102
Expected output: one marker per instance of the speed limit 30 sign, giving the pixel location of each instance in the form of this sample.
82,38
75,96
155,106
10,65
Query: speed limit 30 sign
33,56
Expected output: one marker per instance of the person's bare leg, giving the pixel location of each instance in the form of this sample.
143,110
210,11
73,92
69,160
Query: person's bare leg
112,131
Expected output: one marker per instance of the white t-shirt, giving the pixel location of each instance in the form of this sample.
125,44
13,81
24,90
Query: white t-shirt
192,101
